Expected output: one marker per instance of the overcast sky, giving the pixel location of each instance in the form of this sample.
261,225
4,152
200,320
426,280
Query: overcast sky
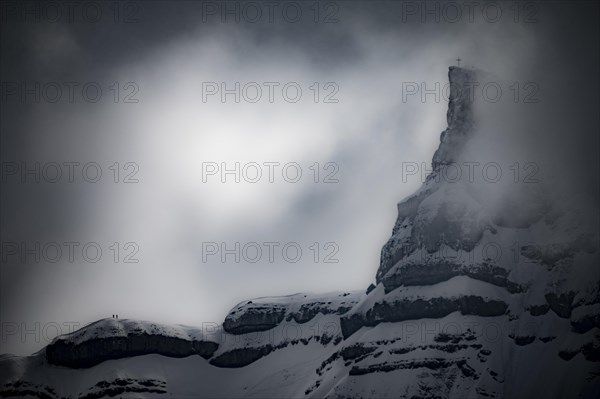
357,59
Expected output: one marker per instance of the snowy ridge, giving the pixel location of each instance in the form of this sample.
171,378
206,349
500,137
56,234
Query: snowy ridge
111,328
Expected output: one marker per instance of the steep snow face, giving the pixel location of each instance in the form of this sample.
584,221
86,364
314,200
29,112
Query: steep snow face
473,299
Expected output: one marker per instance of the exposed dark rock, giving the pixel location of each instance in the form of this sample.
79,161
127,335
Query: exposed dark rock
476,305
325,338
327,362
419,309
403,350
449,348
431,363
125,385
355,351
435,272
467,370
560,303
419,274
26,389
254,319
586,323
568,354
241,357
455,338
459,117
395,249
524,340
308,311
484,393
483,354
539,310
97,350
591,351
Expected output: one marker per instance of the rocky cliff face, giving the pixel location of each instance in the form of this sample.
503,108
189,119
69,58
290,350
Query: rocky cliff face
472,300
269,324
460,118
547,258
109,339
532,276
266,313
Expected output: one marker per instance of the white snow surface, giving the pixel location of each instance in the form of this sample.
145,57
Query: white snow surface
111,327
